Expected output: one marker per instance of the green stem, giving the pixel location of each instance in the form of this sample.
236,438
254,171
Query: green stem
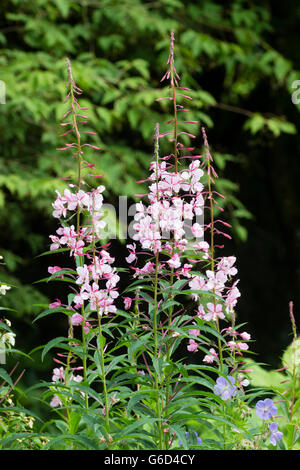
175,122
156,381
77,133
168,354
212,267
212,251
155,311
103,372
84,361
101,337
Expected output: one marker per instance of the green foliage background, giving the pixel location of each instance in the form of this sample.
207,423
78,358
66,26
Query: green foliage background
240,58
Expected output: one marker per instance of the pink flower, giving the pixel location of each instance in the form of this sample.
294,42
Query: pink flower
202,246
87,326
214,311
106,257
56,401
185,271
83,274
197,230
56,243
80,298
245,336
83,199
76,319
53,269
240,345
231,298
197,283
226,265
58,374
76,247
147,269
77,378
216,281
201,312
242,381
210,358
70,199
113,279
55,304
132,256
194,332
59,207
193,346
127,302
174,262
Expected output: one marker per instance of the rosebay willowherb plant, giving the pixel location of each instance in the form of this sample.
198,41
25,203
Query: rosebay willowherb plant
160,365
181,264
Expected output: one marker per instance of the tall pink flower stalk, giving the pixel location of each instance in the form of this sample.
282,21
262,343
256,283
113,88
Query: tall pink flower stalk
170,223
94,277
175,196
169,227
219,278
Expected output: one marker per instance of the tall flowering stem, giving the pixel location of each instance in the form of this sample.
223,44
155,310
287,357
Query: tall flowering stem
74,90
176,202
155,313
95,279
210,170
156,251
100,339
174,77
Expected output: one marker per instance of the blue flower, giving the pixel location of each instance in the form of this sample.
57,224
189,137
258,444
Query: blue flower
225,387
265,409
275,435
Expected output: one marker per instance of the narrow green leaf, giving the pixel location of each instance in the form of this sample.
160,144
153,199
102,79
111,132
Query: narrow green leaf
5,376
56,342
